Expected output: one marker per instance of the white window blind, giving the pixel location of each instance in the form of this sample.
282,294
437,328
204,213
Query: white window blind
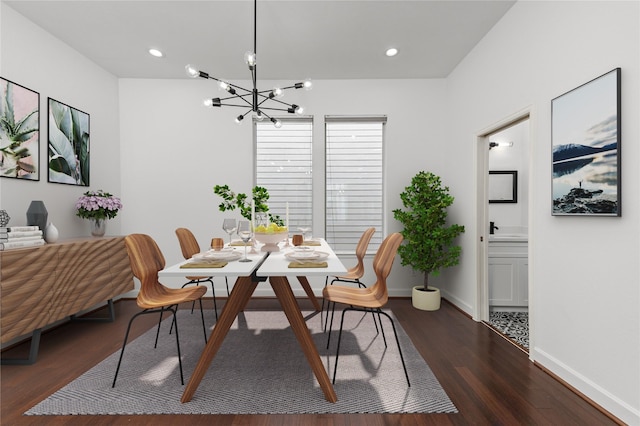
354,181
283,167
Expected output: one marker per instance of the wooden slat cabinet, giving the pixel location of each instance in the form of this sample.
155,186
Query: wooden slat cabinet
42,285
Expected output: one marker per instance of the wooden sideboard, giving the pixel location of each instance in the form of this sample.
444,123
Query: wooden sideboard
42,285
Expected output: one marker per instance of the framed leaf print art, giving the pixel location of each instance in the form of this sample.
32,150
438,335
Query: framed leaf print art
585,138
68,144
19,131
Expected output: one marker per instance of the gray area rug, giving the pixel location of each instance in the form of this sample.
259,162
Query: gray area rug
260,369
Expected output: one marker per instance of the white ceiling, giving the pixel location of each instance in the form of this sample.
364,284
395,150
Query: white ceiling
318,39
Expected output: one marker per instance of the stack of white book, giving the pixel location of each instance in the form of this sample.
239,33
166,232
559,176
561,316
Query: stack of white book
20,236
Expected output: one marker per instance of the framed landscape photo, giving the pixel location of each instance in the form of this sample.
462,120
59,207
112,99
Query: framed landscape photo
585,139
68,144
19,131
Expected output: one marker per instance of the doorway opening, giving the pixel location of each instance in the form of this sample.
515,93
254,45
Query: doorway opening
503,200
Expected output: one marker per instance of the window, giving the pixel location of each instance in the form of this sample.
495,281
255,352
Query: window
284,167
354,181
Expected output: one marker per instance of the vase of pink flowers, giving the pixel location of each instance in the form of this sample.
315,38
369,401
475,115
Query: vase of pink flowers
98,206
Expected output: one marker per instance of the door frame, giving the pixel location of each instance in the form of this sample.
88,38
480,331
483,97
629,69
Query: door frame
482,208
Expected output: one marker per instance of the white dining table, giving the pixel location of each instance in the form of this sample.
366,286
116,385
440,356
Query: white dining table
273,266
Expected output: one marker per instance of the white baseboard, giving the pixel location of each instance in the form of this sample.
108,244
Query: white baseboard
459,303
588,388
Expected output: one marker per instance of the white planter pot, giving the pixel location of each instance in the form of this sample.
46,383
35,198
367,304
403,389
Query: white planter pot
426,300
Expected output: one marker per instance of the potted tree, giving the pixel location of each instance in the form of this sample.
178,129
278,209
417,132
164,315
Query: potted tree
428,241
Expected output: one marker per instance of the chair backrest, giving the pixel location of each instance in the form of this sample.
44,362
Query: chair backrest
382,264
361,251
188,243
146,260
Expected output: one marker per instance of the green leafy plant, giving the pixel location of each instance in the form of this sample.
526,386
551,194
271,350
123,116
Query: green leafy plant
68,145
231,201
428,241
12,136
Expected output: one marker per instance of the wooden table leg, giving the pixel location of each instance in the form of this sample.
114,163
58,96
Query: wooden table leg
307,288
283,291
242,291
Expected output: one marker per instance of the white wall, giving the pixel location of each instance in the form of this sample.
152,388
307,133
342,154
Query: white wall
584,270
174,151
33,58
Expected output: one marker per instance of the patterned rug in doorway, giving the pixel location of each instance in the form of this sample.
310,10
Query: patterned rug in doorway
514,325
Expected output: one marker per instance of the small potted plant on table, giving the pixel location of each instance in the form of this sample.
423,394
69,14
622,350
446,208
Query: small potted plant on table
428,241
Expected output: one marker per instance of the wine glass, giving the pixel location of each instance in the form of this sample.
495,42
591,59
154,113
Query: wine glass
245,234
229,226
305,232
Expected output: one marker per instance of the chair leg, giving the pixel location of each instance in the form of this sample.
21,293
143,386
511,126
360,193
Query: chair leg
193,304
215,304
175,321
333,309
335,367
158,329
380,312
398,343
126,337
226,280
326,280
384,338
204,327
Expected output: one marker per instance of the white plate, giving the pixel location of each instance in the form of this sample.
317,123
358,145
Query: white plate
218,255
304,255
303,249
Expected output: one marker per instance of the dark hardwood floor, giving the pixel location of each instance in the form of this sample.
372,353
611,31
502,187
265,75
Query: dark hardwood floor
490,381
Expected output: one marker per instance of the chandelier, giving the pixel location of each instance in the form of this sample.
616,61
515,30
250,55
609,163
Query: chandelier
257,101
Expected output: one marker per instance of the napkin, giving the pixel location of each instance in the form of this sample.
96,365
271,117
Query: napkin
311,243
308,264
204,265
240,243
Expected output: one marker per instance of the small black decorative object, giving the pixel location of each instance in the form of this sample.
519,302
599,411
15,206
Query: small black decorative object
37,215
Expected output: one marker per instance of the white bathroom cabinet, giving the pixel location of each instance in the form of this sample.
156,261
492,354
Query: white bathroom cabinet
508,279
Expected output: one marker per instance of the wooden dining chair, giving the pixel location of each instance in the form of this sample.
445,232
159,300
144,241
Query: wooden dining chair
189,246
370,299
146,260
356,272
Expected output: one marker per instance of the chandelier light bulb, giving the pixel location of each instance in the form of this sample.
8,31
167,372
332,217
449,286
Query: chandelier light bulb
192,71
239,119
226,86
250,59
213,102
259,116
299,110
276,123
307,84
276,93
391,52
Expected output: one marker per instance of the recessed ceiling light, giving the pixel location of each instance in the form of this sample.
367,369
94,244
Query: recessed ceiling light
156,53
391,52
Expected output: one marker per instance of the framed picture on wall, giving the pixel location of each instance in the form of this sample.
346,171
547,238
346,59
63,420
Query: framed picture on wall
585,138
68,144
19,131
503,186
